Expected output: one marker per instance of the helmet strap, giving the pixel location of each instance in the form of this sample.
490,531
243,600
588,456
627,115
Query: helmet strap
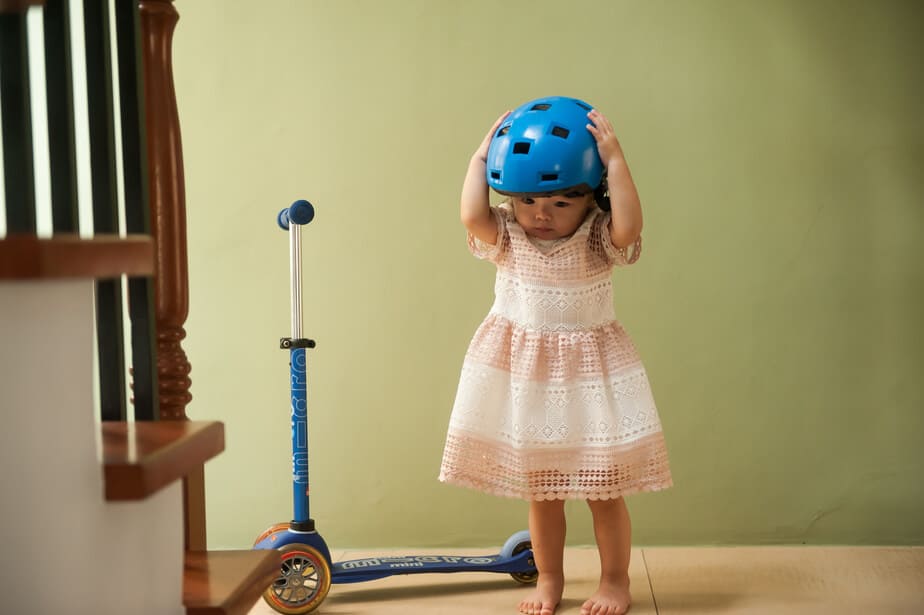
602,195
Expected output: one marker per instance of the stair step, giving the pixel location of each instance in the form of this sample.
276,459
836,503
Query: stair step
226,582
70,256
139,458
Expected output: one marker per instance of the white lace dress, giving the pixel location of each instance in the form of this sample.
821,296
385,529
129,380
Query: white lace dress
553,401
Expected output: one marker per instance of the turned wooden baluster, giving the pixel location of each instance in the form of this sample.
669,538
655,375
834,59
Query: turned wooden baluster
168,206
168,227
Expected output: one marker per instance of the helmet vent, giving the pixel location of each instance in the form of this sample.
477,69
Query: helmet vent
558,131
540,107
521,147
495,174
548,177
503,131
583,105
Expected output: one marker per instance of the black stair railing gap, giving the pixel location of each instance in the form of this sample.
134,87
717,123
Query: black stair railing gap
103,102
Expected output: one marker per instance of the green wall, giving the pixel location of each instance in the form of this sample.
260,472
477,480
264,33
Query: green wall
778,147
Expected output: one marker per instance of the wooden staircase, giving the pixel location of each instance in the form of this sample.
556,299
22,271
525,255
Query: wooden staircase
141,458
137,461
117,506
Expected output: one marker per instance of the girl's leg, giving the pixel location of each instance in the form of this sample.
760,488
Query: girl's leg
547,533
613,531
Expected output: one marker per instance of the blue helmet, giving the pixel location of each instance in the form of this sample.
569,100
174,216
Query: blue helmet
544,146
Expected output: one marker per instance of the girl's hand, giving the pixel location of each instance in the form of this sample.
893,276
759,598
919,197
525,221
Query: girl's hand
607,144
482,152
626,217
476,205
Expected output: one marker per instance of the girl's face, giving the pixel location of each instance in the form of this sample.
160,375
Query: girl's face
551,216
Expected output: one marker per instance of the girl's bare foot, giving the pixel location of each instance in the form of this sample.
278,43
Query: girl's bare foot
612,598
545,599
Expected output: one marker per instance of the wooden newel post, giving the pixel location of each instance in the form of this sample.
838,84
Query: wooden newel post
168,227
168,206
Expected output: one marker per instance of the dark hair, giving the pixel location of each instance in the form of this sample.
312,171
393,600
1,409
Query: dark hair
602,195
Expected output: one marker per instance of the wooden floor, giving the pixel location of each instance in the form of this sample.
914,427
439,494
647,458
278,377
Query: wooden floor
668,581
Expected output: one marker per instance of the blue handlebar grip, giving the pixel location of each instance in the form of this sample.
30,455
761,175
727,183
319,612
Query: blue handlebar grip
300,212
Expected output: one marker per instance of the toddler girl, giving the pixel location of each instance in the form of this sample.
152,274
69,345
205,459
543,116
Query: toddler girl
553,401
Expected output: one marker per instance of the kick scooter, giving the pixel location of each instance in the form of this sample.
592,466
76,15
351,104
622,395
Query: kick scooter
306,570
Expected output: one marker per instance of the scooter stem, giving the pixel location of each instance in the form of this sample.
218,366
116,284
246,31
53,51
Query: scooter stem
295,257
299,214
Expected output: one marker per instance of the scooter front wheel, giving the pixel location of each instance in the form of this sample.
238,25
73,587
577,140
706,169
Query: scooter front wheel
303,581
273,529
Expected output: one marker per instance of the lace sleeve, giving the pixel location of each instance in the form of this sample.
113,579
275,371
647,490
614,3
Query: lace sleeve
487,251
600,235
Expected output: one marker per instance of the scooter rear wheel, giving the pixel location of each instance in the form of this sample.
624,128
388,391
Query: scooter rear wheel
515,545
303,581
526,578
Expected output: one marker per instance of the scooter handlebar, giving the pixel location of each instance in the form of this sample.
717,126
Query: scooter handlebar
300,212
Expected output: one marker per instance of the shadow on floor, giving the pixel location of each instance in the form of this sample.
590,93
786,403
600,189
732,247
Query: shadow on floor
428,590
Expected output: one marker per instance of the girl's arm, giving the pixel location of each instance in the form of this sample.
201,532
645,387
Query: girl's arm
476,206
626,222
